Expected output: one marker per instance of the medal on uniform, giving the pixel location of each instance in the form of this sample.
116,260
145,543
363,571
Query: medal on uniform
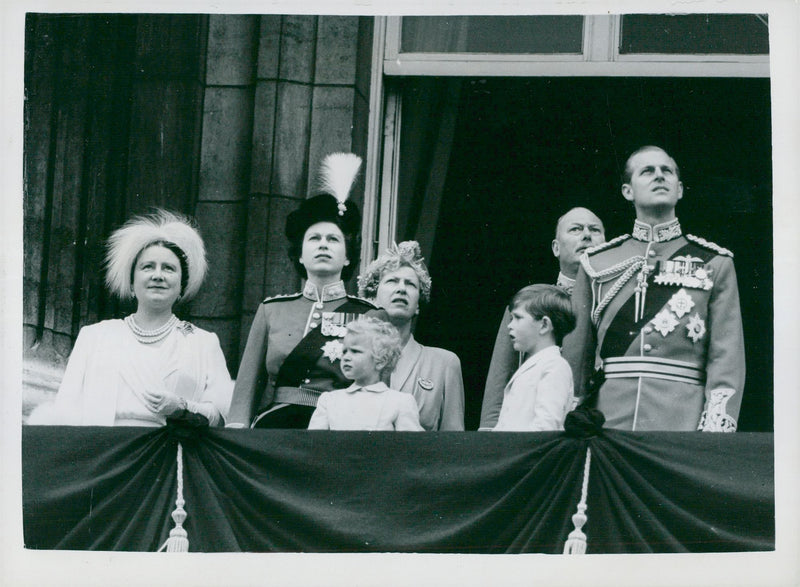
333,350
696,328
686,271
664,322
335,323
681,303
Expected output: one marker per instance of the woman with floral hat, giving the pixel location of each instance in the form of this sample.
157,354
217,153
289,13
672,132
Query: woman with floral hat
398,281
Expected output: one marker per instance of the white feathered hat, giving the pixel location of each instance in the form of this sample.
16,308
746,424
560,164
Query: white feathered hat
125,244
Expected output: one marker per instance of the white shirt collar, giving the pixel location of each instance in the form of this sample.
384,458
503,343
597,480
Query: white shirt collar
538,356
378,387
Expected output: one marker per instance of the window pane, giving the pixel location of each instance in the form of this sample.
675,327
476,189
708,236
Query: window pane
492,34
744,34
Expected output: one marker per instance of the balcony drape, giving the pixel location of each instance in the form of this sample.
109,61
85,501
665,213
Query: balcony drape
449,492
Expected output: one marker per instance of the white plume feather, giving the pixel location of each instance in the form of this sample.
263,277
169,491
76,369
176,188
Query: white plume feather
337,174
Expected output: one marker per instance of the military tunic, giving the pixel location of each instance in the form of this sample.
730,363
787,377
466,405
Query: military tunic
658,312
293,351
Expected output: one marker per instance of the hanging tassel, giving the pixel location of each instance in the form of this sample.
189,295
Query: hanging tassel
178,540
576,541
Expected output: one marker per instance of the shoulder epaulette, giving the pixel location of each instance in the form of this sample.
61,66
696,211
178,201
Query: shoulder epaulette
292,296
607,245
709,245
362,300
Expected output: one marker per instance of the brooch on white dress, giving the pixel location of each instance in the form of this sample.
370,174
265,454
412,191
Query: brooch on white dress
425,384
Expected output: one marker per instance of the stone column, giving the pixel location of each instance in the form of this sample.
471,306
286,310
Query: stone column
224,175
305,106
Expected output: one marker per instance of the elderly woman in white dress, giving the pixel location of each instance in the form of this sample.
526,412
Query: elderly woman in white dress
149,366
398,281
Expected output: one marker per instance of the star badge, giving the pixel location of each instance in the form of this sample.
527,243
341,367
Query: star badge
332,350
665,322
681,303
696,328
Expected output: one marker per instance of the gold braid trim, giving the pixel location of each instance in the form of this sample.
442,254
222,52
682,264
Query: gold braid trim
626,268
282,297
607,244
709,245
634,265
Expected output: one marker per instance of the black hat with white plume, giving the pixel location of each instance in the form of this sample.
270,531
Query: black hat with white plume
330,204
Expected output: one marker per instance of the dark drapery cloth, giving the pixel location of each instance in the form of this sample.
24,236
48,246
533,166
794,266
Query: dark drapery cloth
681,492
437,492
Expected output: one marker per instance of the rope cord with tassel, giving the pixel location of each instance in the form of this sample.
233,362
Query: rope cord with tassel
178,540
624,269
634,265
576,541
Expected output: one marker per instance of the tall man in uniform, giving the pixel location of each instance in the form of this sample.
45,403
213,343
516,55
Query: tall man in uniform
658,316
576,231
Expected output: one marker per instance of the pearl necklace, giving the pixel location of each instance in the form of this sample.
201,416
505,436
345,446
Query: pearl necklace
151,336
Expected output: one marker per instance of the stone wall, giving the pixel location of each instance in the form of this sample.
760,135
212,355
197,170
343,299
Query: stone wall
225,117
111,129
281,92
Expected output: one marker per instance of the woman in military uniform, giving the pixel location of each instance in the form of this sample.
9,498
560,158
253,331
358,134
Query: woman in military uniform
294,346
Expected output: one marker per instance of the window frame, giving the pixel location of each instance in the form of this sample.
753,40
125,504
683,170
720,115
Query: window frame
600,58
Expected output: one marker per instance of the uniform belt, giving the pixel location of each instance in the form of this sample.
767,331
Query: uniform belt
302,396
655,367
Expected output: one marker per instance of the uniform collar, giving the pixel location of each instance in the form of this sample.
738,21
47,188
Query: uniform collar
565,282
330,292
659,233
378,387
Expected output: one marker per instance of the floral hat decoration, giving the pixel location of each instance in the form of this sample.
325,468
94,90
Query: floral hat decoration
406,254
